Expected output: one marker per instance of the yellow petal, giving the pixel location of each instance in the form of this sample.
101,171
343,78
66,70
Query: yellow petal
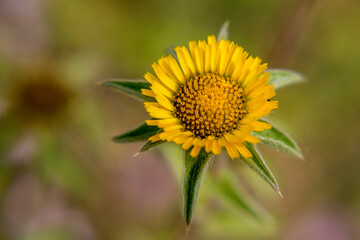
168,122
151,78
207,59
155,138
196,55
159,112
171,137
189,61
261,126
148,92
164,63
216,148
243,151
188,143
255,104
165,102
209,144
214,58
212,40
202,45
164,78
242,131
265,92
182,61
224,50
258,82
152,122
159,89
236,60
251,139
181,139
231,149
255,69
169,134
176,69
173,128
270,92
152,104
195,150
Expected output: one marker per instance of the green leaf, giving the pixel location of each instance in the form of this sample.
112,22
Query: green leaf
130,87
224,31
141,133
149,146
278,139
194,170
284,77
257,163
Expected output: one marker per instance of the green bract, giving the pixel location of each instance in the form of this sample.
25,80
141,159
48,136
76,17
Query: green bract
130,87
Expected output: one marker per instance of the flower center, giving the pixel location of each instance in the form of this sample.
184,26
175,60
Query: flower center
210,105
41,96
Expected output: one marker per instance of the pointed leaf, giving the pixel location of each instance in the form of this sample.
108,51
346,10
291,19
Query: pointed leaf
194,170
130,87
257,163
284,77
224,31
150,145
278,139
141,133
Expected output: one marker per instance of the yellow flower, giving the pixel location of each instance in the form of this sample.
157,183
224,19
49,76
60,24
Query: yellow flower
210,97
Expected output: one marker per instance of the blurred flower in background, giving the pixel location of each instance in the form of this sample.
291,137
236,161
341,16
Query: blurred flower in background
39,96
41,122
45,147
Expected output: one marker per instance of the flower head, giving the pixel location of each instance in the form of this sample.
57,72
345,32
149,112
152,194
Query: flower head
39,96
210,97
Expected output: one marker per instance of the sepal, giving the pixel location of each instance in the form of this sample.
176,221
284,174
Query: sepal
224,31
194,171
130,87
279,140
258,164
141,133
284,77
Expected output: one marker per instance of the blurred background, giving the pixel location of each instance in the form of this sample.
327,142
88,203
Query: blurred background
61,176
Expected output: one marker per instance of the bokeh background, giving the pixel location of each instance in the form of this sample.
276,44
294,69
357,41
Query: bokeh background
61,177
